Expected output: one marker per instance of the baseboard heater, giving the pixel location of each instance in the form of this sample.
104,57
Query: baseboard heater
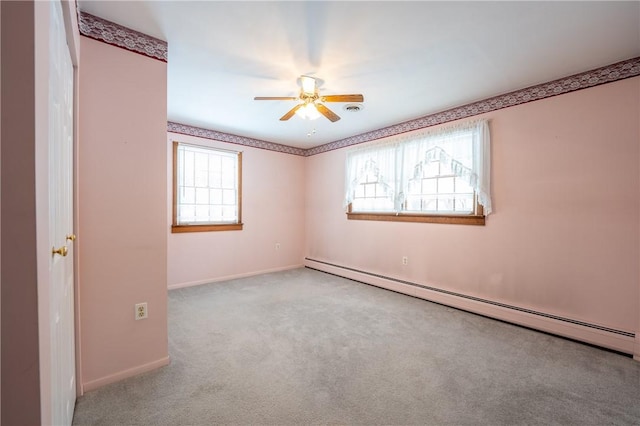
484,301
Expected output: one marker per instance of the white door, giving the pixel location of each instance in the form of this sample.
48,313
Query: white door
63,387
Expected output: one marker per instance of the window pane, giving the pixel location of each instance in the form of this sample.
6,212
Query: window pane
357,205
214,163
414,204
229,212
228,196
429,186
432,169
188,196
201,170
187,212
202,213
462,186
228,180
381,204
369,191
228,165
414,186
214,178
464,204
202,196
188,170
216,213
445,185
430,203
445,203
445,169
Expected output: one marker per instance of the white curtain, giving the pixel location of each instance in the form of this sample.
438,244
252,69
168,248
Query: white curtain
465,148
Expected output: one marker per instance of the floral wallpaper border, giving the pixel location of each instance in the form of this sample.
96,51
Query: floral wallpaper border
238,140
117,35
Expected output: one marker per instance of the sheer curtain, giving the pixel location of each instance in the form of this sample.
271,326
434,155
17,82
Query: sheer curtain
377,161
465,148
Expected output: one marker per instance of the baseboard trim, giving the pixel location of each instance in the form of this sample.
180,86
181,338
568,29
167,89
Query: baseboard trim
233,277
112,378
618,340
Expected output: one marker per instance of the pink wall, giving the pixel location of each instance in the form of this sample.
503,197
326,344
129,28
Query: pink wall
20,346
273,205
564,236
122,213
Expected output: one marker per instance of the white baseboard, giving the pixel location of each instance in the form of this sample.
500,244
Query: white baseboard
606,339
112,378
232,277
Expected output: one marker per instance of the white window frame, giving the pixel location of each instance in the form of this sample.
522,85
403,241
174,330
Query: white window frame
395,161
181,225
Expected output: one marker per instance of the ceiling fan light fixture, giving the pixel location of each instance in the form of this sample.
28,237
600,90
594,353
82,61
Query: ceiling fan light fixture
308,112
308,84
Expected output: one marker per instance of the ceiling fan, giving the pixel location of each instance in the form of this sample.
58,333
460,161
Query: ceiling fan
310,102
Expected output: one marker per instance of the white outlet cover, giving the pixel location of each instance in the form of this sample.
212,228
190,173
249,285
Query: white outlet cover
141,311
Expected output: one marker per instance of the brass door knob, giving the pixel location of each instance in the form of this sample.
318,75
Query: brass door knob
62,251
71,237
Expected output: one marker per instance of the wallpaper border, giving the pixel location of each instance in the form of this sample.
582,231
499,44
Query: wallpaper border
185,129
111,33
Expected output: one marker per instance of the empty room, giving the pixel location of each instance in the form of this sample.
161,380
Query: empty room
320,212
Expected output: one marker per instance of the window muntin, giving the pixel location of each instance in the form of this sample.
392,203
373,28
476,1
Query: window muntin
207,189
445,173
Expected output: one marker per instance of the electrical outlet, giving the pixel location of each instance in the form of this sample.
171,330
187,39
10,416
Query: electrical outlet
277,246
141,311
405,260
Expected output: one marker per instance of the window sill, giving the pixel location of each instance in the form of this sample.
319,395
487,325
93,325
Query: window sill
206,228
407,217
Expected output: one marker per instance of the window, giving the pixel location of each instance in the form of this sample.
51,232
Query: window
207,189
440,176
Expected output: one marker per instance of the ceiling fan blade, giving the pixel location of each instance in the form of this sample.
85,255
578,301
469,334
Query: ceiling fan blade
291,112
327,112
343,98
275,98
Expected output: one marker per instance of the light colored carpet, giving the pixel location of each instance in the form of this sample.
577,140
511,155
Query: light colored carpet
304,347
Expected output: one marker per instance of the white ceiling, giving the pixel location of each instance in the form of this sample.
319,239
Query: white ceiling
408,59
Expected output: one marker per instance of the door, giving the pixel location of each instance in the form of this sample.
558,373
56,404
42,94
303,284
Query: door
63,386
